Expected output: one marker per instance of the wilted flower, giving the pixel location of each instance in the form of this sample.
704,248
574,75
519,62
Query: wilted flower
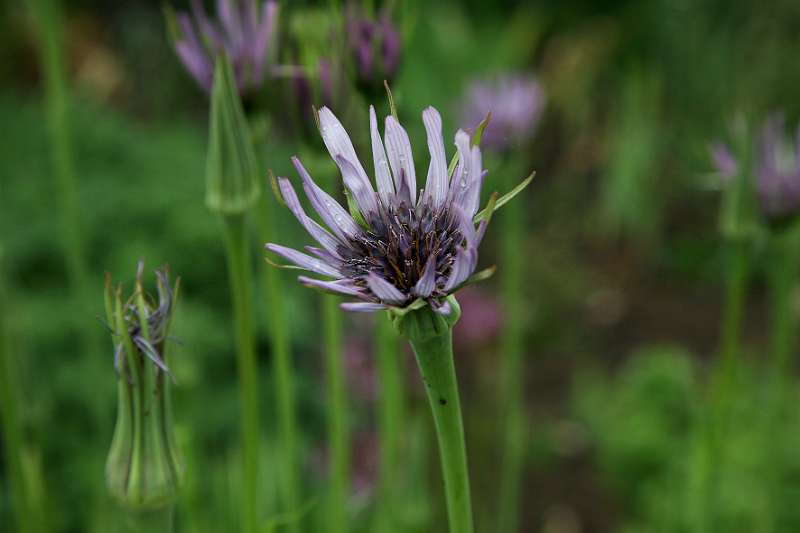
776,168
397,250
516,103
242,32
143,469
375,45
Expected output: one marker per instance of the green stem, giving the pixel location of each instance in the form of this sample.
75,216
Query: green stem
284,375
12,436
435,359
150,521
782,276
390,420
512,348
49,16
240,279
338,433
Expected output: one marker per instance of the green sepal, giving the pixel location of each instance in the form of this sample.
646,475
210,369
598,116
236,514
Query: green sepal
273,183
419,323
390,97
231,166
486,213
355,212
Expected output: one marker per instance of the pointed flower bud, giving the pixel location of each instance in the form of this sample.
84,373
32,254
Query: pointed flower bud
143,470
231,167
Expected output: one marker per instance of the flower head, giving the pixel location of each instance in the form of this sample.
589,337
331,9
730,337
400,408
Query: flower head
376,46
516,103
776,168
242,32
398,249
143,469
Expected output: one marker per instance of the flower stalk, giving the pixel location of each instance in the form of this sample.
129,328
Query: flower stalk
232,189
431,337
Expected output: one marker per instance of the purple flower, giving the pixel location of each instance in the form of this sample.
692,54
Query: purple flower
516,103
375,45
776,168
243,33
398,249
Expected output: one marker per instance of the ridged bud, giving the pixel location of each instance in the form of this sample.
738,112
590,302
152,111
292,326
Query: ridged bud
231,167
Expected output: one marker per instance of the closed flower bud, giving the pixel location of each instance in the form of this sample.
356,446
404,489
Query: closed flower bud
231,167
143,470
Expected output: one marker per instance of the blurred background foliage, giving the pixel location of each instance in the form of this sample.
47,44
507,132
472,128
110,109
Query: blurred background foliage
623,261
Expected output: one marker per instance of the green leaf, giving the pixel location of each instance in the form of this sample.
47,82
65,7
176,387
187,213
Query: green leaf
486,213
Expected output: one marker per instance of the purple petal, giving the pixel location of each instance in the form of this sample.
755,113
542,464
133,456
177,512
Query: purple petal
269,13
208,29
328,241
333,214
304,261
385,291
338,142
340,286
436,185
723,160
398,148
464,264
362,307
363,193
383,177
465,187
197,63
228,13
443,308
427,282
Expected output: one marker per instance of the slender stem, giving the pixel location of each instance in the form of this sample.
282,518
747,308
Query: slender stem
512,348
48,14
732,316
338,432
240,279
161,520
782,275
390,420
284,375
435,360
10,429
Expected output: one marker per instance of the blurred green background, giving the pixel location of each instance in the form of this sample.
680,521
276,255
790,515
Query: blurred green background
623,264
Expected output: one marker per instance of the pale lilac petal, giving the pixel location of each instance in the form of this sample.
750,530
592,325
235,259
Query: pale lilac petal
364,195
325,255
338,142
383,177
427,283
208,29
229,15
436,186
328,241
463,266
333,214
304,261
197,63
385,291
401,159
340,286
265,30
362,307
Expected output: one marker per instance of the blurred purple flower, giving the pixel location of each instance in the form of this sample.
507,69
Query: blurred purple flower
360,369
376,46
243,32
481,319
398,248
776,168
516,103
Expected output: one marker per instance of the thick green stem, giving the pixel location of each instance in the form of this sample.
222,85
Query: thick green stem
435,358
512,348
732,317
338,431
284,375
240,279
10,429
159,520
390,420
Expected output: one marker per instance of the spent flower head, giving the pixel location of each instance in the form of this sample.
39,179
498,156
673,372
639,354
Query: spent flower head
776,168
516,103
243,31
395,249
143,469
